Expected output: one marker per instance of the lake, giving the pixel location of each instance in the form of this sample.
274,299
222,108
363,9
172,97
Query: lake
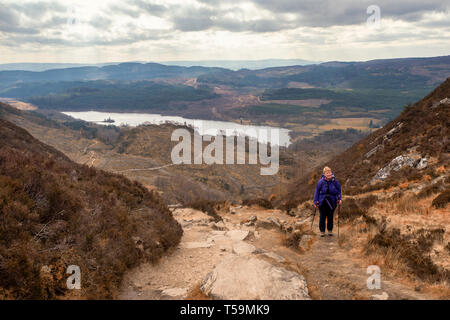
210,127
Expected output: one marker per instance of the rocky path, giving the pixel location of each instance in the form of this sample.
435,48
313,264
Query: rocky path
335,274
245,257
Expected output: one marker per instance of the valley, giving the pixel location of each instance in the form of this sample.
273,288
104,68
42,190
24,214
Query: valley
306,99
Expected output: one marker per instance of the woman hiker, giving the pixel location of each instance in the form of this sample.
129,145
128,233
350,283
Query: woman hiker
327,196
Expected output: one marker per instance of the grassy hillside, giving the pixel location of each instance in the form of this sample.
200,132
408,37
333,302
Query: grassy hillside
420,132
396,194
131,150
56,213
356,100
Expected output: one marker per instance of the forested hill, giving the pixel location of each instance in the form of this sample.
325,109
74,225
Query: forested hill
123,71
388,74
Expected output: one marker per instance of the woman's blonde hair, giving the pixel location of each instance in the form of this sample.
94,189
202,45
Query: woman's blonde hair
326,169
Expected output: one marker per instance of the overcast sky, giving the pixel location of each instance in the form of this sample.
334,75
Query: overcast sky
90,31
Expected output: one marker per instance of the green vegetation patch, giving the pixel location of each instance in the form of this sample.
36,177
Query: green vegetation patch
277,109
351,100
107,95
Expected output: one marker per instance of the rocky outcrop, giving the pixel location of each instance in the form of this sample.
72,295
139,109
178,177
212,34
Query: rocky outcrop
445,101
237,235
305,242
412,160
373,151
383,296
242,248
391,132
249,278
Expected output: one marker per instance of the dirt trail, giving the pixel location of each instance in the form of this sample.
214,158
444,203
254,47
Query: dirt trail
335,274
330,271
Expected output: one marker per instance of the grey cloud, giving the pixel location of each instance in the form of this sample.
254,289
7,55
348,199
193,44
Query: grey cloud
149,7
398,36
187,18
307,13
211,15
198,19
53,22
14,29
135,8
436,24
412,10
8,16
345,12
37,10
10,22
125,10
100,22
97,41
260,26
19,40
193,19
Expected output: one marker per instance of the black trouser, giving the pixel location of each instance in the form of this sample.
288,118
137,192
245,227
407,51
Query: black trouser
326,213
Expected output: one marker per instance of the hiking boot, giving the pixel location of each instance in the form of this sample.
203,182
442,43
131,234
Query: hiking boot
330,233
322,234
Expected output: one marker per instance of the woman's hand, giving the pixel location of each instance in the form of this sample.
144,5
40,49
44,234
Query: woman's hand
339,202
316,205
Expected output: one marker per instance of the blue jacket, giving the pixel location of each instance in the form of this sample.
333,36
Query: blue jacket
334,191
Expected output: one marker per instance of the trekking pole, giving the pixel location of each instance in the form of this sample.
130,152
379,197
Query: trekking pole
339,214
314,215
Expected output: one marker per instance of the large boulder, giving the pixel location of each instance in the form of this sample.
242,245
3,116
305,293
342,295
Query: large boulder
305,242
249,278
237,235
243,248
413,160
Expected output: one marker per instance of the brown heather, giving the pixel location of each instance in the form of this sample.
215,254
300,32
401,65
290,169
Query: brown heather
55,213
426,125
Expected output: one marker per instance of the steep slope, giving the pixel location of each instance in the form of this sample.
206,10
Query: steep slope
396,195
130,151
55,213
185,183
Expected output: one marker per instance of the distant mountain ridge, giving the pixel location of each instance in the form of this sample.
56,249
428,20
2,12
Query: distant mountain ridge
122,71
389,74
38,66
330,73
377,89
228,64
56,213
242,64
